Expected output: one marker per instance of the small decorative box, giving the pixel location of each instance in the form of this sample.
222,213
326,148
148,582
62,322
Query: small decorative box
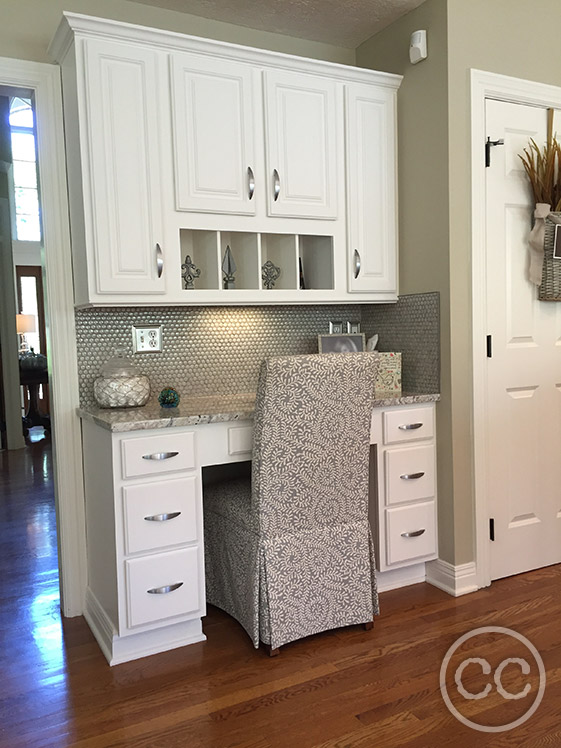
388,378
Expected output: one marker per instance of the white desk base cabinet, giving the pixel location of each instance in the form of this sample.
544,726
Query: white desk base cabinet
144,516
403,489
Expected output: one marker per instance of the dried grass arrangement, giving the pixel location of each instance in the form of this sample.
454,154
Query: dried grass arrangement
543,168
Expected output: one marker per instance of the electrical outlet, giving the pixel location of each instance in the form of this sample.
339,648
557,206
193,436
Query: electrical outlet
147,339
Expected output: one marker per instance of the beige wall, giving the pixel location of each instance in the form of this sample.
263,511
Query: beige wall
423,205
512,37
27,26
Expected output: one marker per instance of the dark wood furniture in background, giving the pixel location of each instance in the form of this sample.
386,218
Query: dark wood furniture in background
32,379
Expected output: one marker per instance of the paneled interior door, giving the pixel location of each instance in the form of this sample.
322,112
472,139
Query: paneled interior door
523,408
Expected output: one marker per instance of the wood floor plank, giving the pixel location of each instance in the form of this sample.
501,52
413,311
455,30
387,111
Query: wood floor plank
347,688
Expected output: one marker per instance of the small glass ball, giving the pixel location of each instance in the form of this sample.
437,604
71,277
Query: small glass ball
168,398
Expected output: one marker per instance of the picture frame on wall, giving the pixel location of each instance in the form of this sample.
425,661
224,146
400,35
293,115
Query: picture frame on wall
341,343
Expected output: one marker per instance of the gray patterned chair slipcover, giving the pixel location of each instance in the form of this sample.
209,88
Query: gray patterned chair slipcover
292,554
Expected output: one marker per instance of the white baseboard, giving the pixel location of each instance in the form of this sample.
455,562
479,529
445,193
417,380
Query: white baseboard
455,580
395,578
118,649
100,625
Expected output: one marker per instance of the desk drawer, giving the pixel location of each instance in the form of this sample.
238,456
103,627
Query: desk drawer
408,425
160,514
152,455
410,532
410,473
240,440
150,586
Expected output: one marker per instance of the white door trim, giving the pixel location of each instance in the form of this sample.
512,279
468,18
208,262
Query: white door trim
44,80
503,88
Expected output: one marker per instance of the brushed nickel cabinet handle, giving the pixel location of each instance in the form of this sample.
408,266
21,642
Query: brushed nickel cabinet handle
409,426
276,185
414,534
162,517
165,590
411,476
159,260
356,256
160,456
250,182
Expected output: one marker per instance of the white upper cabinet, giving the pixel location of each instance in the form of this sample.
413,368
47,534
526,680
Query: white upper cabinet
301,145
217,167
202,172
371,188
213,135
120,168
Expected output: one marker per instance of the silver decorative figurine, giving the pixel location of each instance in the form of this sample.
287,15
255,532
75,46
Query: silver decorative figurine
190,272
270,274
229,268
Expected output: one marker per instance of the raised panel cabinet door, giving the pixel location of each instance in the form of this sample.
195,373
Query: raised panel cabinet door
301,145
213,135
371,188
121,94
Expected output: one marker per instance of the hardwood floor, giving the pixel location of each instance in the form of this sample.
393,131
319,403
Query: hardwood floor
349,688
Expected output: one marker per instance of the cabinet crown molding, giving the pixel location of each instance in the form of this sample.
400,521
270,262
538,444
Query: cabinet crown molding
74,24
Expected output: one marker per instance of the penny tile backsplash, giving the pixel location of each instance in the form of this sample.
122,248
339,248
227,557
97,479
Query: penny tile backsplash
218,350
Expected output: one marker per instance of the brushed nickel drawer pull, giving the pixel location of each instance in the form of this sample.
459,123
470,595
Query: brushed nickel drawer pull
356,256
159,261
411,476
414,534
164,590
160,456
250,183
409,426
276,185
162,517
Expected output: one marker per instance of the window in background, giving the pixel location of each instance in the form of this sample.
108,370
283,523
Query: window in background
26,198
30,301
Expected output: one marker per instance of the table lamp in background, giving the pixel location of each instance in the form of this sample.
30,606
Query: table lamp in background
24,323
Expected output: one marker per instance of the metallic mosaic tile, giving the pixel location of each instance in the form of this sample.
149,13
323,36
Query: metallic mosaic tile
411,326
218,350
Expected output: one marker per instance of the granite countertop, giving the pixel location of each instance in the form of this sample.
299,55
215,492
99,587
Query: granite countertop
210,409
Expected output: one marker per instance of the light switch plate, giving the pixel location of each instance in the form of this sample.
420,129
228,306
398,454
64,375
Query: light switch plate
147,339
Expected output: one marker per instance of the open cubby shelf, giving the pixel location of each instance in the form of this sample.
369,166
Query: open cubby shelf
261,261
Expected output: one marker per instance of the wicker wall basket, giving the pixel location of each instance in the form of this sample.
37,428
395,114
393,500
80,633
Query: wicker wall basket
550,288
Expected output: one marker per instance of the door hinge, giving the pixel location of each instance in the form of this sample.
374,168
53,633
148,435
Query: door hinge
488,145
492,528
489,346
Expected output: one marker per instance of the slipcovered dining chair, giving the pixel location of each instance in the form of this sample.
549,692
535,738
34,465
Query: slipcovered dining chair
290,553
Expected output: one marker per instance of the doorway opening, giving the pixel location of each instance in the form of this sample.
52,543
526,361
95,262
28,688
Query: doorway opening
27,382
28,539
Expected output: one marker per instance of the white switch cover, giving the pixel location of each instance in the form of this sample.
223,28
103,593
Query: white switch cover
147,339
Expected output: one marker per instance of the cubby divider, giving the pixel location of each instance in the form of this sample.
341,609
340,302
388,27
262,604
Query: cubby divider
256,261
202,247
